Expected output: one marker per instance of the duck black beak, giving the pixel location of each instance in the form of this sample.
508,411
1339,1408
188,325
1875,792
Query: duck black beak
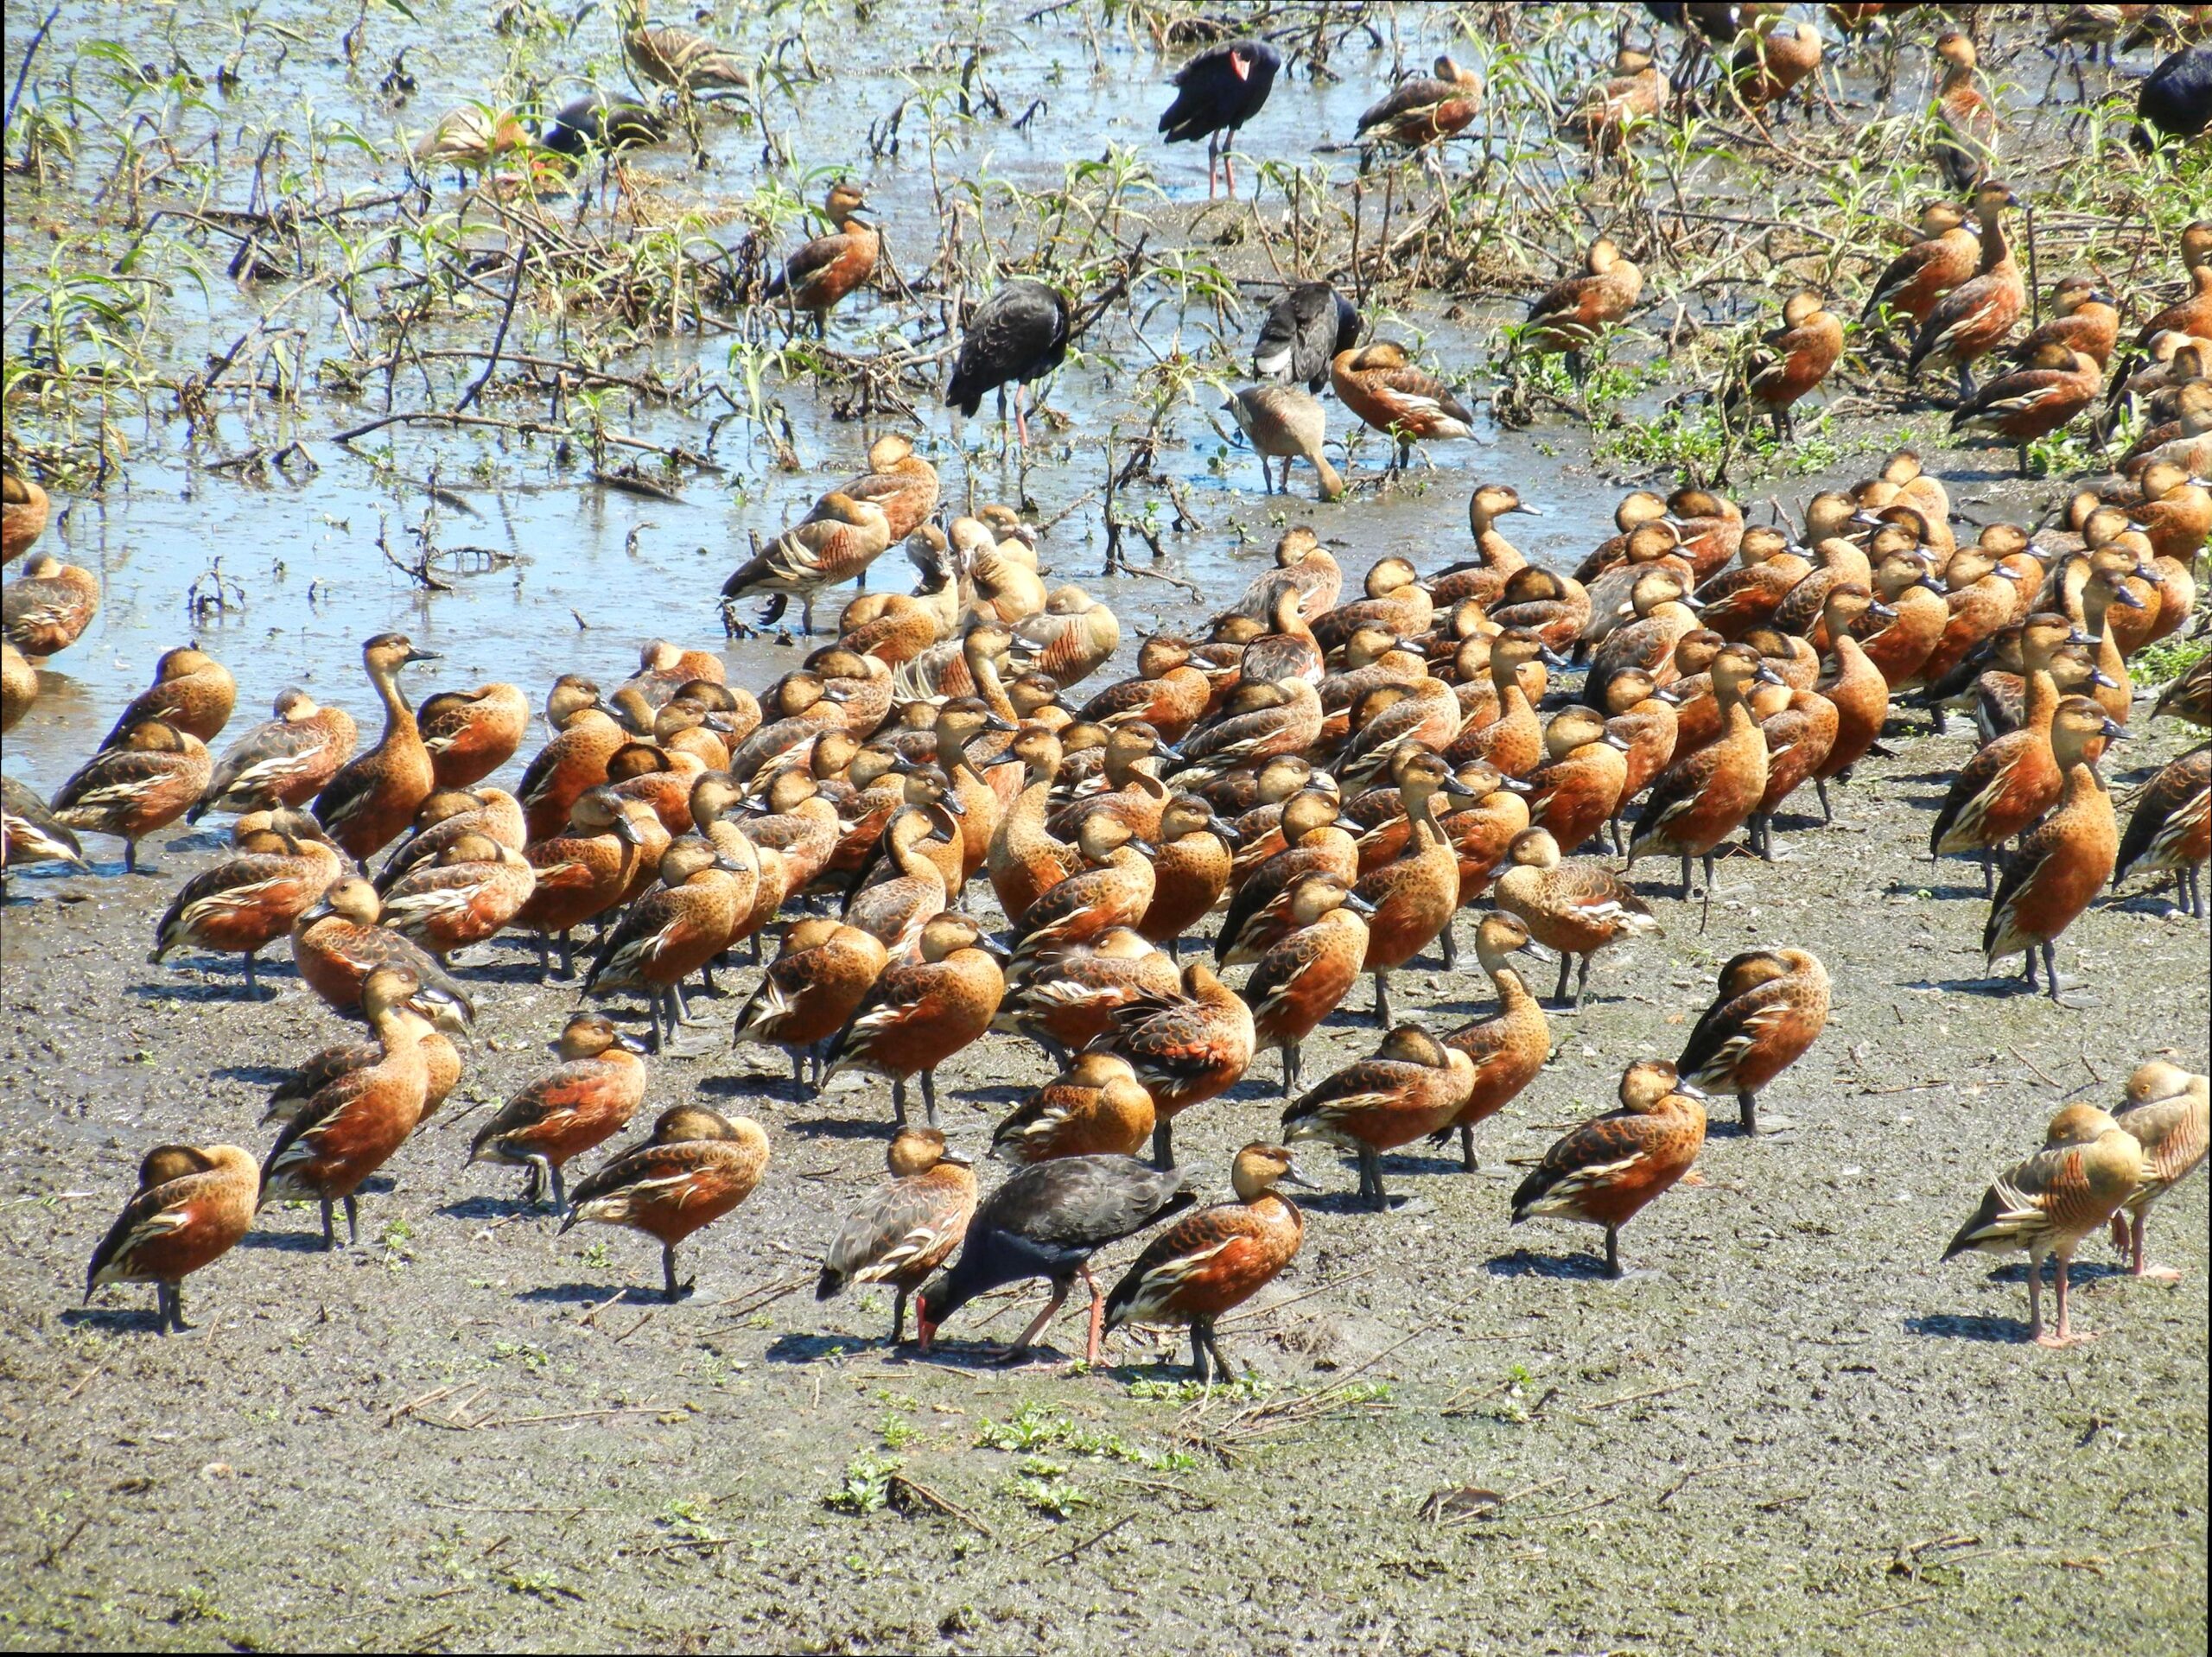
629,1044
414,655
1882,612
1357,905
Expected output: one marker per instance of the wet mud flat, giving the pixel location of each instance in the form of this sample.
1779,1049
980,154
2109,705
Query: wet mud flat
1788,1427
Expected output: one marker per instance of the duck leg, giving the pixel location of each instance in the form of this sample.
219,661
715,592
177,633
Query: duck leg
1371,1173
929,1097
1012,1354
1467,1147
1289,1068
1612,1251
252,989
329,1228
670,1286
1222,1367
1382,1000
131,857
1705,913
1581,983
1448,946
1163,1143
560,1190
1198,1366
353,1223
1685,876
544,956
534,1188
2050,986
1966,384
897,1316
899,1100
568,954
1747,1107
2035,1297
1821,788
1566,965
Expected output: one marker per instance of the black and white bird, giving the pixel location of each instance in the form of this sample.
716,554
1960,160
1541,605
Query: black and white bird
1302,333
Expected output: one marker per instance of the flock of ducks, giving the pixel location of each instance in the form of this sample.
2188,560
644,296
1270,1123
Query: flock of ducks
1337,776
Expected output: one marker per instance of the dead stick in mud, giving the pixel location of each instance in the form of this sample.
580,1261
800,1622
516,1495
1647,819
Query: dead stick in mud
499,339
930,1498
1098,1536
1633,1398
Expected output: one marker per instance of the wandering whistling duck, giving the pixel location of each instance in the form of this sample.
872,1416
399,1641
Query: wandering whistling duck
586,736
1700,801
1577,907
1025,859
192,692
1513,740
1304,978
445,818
2191,316
904,1230
1772,1006
1974,318
919,1013
1496,560
1046,1221
2169,1114
678,57
192,1205
466,895
1301,333
1067,1000
1190,872
2088,1166
1794,358
2190,696
810,989
1301,562
47,608
898,481
1186,1046
278,869
1965,144
1771,62
23,508
1167,692
145,782
1507,1049
285,761
2032,402
2010,782
2169,832
1858,691
696,1167
1286,424
1019,334
1213,1260
2062,862
1407,404
1215,93
337,944
471,733
1423,110
2082,318
839,539
1634,92
371,800
441,1058
1944,256
1410,1086
1116,890
31,833
1576,793
668,933
1800,727
583,872
355,1123
1415,896
1096,1107
1569,315
18,685
582,1102
828,268
1604,1171
1070,639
